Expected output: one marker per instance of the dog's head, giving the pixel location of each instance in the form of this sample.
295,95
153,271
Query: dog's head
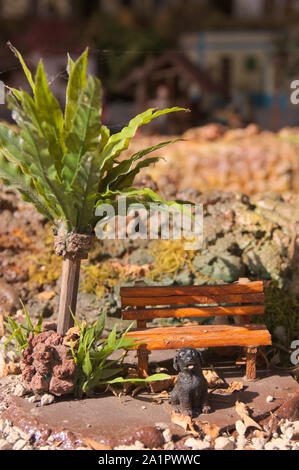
187,360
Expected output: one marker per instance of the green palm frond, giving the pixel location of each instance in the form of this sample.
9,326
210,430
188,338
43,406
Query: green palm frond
65,163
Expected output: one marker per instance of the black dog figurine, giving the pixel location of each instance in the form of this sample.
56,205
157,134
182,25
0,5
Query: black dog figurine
191,388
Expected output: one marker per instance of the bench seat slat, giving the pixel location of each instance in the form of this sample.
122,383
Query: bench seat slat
149,313
194,299
202,336
149,291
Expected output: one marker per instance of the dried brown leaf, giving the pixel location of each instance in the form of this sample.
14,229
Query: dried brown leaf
184,422
233,387
212,378
242,411
209,429
46,295
94,445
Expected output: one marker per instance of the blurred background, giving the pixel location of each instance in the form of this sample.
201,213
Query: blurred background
228,61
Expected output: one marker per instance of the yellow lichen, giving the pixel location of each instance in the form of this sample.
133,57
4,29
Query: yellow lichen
170,257
44,267
100,278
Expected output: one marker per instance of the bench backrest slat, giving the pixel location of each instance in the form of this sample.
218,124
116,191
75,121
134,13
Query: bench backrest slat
149,291
194,299
226,299
149,313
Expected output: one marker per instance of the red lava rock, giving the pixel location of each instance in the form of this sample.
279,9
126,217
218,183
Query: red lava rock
289,409
28,373
27,355
43,353
43,369
60,387
39,383
54,340
64,370
47,364
150,436
41,337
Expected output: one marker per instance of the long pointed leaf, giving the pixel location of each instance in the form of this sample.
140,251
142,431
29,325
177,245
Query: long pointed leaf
77,81
24,66
50,116
120,141
126,165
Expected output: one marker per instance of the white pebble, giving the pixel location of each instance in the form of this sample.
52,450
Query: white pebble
223,443
241,442
12,436
258,443
269,399
19,390
4,445
167,435
19,445
46,399
196,444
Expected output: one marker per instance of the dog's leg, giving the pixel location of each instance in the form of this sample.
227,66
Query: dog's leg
174,400
186,404
206,408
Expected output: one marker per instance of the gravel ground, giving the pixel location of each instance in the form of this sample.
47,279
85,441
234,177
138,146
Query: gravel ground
285,436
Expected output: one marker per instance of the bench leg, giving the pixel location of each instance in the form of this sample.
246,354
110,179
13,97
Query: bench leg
251,352
142,355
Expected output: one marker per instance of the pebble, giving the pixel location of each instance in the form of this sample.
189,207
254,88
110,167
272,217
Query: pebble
137,446
241,442
19,390
47,399
280,443
168,446
4,445
12,436
269,399
289,432
167,435
33,399
19,445
196,444
258,443
223,443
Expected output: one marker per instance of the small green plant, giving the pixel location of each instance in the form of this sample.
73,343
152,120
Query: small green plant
19,333
91,355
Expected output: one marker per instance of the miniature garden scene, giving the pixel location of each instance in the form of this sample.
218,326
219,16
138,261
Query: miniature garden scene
149,237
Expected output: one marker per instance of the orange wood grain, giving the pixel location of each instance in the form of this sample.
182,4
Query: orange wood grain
202,336
147,314
156,291
194,299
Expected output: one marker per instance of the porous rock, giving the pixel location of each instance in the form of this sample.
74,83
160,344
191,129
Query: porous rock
47,364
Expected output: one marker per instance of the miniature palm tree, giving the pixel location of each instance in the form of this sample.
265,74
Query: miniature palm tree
65,164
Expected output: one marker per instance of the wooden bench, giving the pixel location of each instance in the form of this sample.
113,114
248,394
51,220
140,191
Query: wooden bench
148,302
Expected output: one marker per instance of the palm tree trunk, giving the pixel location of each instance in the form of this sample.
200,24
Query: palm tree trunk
73,247
68,294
